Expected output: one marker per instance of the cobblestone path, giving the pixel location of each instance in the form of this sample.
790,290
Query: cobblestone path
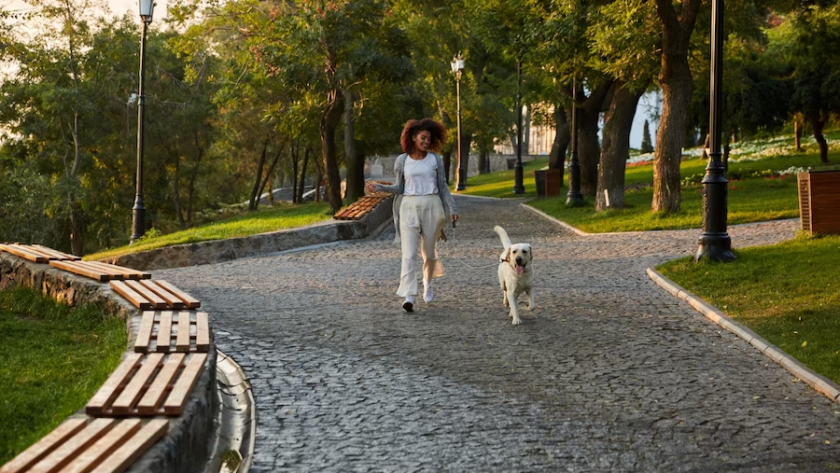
610,373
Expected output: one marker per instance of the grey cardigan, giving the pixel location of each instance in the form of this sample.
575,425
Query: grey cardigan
399,188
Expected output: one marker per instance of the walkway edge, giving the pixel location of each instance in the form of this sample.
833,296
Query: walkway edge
820,384
563,224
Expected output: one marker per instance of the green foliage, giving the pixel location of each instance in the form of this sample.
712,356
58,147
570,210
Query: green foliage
52,360
787,293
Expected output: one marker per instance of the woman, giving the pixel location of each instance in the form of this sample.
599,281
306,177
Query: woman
422,206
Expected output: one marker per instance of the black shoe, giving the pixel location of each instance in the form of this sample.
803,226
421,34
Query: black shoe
408,306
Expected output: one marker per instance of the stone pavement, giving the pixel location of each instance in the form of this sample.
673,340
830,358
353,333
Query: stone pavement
610,373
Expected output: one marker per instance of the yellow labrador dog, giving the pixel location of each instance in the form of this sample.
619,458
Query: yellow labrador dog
515,273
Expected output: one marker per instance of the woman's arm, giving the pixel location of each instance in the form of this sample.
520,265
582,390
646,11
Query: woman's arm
393,188
444,189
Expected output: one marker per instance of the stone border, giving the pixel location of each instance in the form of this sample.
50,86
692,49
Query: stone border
563,224
185,448
820,383
218,251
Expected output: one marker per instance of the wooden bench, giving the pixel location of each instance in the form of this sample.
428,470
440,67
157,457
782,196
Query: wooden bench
361,207
158,294
81,445
188,330
148,385
100,271
36,253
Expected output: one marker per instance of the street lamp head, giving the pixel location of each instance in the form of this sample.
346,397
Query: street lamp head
457,63
147,7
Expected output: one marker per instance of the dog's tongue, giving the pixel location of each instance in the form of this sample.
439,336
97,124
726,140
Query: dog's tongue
520,269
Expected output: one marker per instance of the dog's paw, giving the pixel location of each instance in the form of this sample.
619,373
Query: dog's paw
516,321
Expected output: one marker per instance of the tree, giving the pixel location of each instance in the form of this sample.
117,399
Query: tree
647,147
676,82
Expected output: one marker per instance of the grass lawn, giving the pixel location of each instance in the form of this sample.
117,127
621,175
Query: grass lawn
751,199
788,293
252,223
52,360
500,184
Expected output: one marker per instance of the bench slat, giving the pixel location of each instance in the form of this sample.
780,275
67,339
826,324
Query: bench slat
17,250
43,447
182,343
75,268
127,273
151,400
174,403
189,300
117,273
150,296
171,299
164,335
136,446
131,295
131,393
103,447
58,254
144,334
106,394
73,446
202,332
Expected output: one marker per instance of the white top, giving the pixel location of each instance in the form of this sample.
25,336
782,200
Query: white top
421,176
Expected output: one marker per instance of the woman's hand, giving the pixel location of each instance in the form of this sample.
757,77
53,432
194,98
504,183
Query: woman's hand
370,187
454,218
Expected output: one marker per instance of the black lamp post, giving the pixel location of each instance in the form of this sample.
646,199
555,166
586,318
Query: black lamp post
714,242
574,197
138,225
461,173
518,187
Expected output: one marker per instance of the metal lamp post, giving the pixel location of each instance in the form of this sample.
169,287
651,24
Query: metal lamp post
574,197
714,243
138,225
460,174
518,186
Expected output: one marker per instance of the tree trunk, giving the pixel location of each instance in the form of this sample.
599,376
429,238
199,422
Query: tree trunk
268,176
676,83
293,150
817,125
355,166
77,229
329,119
526,131
255,191
589,151
176,191
562,139
193,177
616,148
447,163
483,162
466,144
302,180
797,135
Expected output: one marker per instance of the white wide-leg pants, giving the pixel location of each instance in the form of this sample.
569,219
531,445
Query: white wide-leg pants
421,220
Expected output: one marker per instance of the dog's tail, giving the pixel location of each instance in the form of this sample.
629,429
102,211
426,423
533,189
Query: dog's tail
504,236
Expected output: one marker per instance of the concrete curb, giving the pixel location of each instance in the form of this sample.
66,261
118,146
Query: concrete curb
820,384
476,196
557,221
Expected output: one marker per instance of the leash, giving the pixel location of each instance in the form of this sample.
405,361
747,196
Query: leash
451,235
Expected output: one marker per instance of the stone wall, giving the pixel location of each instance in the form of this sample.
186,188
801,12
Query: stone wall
217,251
187,446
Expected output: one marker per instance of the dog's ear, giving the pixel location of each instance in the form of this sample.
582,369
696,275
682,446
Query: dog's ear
531,250
507,255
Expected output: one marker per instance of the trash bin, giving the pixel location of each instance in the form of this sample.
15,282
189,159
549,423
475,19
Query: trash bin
553,182
539,178
549,182
511,162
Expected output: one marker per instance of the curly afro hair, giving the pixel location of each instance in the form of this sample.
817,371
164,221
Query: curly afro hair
413,127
